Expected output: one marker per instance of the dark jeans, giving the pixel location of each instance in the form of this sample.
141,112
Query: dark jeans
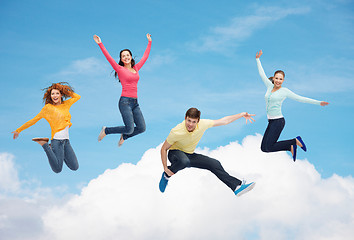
270,141
61,151
180,160
131,113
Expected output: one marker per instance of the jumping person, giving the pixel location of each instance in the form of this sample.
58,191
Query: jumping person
128,74
56,112
274,98
181,143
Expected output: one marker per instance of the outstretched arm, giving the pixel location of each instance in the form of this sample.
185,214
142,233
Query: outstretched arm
28,124
164,149
299,98
229,119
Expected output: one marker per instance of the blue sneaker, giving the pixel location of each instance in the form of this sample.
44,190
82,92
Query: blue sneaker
243,188
294,155
302,142
163,182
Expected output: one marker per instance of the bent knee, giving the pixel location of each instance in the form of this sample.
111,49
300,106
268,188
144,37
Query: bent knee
129,130
264,149
74,168
185,163
56,170
143,129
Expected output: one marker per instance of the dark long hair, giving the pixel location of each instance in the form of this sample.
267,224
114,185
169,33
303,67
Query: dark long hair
121,63
64,89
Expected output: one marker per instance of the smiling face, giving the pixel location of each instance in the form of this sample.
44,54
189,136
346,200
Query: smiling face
191,123
126,57
56,96
278,80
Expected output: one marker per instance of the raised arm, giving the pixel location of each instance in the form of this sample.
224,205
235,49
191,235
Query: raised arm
111,61
229,119
146,53
164,149
74,98
263,76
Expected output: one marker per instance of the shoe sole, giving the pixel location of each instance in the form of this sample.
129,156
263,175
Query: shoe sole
101,133
302,142
120,144
40,139
246,190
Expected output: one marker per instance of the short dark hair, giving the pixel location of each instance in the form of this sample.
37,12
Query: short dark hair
193,113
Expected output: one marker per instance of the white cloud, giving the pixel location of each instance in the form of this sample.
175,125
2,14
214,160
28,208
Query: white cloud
88,66
290,201
8,174
240,28
22,203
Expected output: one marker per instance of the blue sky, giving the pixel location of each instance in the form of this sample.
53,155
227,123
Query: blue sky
203,55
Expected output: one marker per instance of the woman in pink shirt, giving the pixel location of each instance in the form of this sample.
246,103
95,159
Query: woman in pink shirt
127,73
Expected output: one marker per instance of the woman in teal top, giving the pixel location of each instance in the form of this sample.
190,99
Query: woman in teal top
274,98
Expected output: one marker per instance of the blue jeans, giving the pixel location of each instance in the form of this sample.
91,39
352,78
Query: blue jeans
61,151
270,141
180,160
131,113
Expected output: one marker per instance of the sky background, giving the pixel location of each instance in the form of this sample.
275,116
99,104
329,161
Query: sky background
202,55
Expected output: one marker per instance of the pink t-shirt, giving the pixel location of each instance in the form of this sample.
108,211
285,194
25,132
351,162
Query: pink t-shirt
128,79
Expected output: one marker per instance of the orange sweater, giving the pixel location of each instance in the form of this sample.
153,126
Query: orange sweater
58,116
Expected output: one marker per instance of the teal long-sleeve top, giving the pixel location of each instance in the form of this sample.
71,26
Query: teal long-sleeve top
275,99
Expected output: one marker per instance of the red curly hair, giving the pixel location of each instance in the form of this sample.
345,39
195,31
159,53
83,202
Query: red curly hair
64,88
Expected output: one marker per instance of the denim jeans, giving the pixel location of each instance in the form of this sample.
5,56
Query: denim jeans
61,151
180,160
131,113
270,141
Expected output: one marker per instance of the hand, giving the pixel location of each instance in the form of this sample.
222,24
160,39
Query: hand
249,117
324,103
97,39
168,172
15,134
259,54
148,36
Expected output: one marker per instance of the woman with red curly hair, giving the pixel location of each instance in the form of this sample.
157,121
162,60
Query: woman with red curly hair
56,112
